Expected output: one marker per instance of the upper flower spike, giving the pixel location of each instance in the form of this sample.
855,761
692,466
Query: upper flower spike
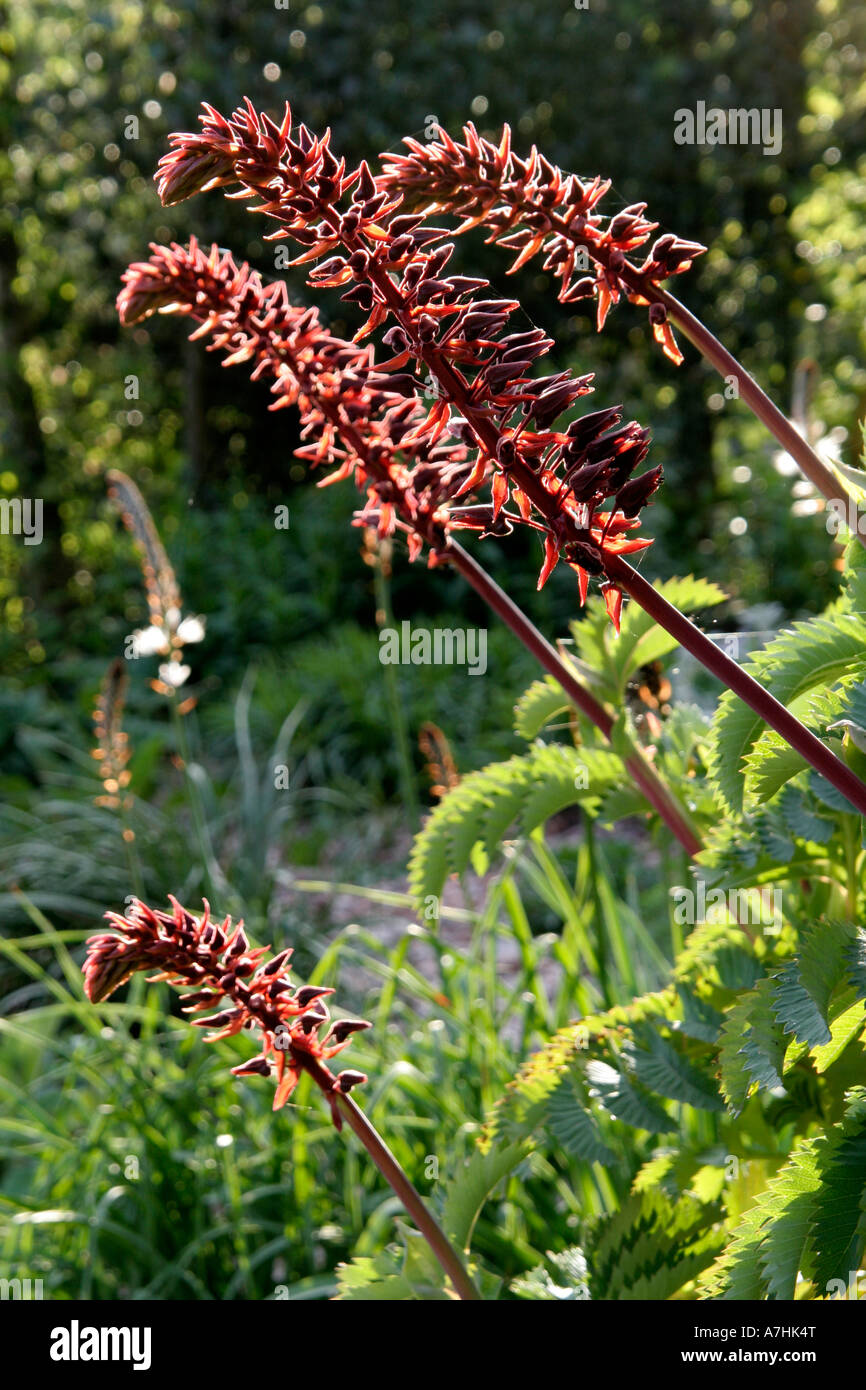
393,264
532,208
353,419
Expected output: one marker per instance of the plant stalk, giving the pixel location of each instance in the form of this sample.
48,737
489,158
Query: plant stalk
765,705
657,794
735,678
394,1175
724,362
653,788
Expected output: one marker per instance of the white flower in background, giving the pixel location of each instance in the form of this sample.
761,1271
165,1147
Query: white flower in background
156,641
190,630
150,641
174,673
168,631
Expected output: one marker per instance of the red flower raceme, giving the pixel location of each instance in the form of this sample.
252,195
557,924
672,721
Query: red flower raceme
216,962
368,431
392,266
532,207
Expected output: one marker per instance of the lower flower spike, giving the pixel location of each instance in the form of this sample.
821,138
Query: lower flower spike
217,963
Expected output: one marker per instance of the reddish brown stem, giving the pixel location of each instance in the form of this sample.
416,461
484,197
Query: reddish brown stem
757,400
726,365
397,1179
765,705
657,794
727,670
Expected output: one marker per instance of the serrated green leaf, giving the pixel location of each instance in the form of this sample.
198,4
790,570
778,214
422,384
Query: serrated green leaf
557,781
589,634
421,1268
802,989
853,598
544,701
370,1279
829,795
802,821
665,1072
470,1188
798,660
570,1266
620,802
763,1254
626,1101
838,1234
700,1020
855,960
484,805
752,1046
771,763
846,1024
574,1127
852,715
811,1217
684,730
650,1248
641,640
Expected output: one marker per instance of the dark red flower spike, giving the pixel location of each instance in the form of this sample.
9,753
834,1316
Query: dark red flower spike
394,265
215,961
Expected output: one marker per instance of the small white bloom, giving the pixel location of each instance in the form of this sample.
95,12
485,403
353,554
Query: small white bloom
149,641
190,630
173,673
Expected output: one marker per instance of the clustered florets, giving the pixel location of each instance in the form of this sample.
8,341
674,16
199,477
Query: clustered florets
393,264
532,207
352,423
112,745
215,961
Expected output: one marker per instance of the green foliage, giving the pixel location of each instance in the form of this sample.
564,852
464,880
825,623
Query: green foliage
805,986
704,1097
650,1248
752,1046
569,1266
659,1067
613,660
470,1188
812,655
369,1279
528,789
573,1125
812,1217
538,706
641,641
